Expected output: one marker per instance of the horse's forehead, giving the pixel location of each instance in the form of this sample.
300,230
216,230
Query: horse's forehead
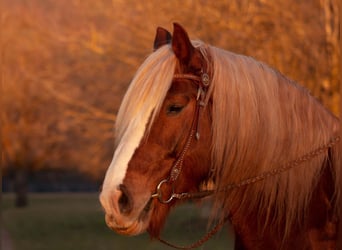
181,86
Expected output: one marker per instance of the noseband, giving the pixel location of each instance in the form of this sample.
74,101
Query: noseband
203,83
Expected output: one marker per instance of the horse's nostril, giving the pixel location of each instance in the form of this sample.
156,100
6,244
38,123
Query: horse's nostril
125,201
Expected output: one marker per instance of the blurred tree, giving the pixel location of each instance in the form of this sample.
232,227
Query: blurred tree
330,85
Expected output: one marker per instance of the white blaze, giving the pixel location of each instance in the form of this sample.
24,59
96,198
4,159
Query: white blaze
140,105
122,156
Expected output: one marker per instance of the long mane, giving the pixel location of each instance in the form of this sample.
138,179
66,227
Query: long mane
262,120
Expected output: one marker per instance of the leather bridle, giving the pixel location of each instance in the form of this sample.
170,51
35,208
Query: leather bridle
203,83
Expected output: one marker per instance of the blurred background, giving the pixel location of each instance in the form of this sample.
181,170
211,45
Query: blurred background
65,67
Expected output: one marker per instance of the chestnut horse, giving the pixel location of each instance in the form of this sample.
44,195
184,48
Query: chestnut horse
196,114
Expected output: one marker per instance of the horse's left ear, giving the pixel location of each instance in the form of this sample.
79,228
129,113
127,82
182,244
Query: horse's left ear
162,37
181,45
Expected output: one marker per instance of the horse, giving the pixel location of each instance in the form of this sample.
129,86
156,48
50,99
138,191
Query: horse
194,115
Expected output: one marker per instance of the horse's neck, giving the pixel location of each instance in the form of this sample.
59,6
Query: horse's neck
318,230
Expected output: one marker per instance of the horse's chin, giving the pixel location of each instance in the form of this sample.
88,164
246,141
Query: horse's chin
135,228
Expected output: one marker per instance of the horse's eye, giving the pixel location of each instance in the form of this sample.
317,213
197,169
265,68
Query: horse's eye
174,109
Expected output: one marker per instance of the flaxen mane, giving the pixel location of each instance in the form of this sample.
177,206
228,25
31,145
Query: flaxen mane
146,93
261,120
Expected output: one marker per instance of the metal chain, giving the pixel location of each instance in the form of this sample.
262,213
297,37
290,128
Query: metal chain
263,175
242,183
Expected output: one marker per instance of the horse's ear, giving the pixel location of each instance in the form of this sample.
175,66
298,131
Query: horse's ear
162,37
181,45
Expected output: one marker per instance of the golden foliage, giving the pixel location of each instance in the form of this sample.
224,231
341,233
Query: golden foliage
67,64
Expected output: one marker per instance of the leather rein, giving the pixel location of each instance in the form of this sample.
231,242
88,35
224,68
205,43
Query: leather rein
203,83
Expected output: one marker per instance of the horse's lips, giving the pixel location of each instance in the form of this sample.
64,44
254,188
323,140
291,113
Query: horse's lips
135,226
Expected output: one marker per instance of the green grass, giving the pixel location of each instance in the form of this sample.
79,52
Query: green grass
76,221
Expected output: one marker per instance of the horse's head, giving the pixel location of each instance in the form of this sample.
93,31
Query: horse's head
160,154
